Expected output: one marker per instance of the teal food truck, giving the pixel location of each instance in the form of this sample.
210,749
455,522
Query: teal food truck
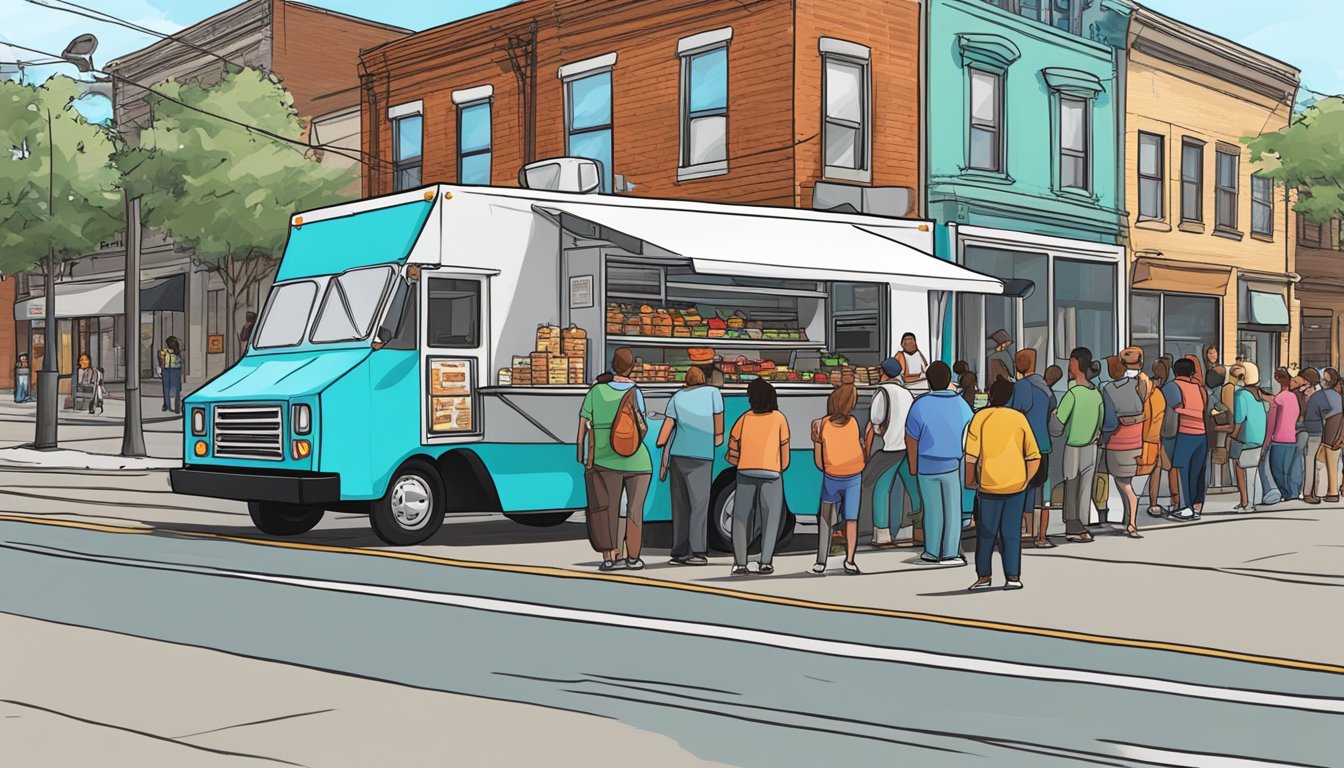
425,353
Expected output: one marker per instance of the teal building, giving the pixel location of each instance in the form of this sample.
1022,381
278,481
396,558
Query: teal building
1025,107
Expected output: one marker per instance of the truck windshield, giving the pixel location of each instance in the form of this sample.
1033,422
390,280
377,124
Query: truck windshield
286,315
351,304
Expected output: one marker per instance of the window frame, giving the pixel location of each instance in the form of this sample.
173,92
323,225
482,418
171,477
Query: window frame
462,155
1267,204
479,287
686,170
996,128
1319,241
1197,196
1219,190
1159,176
271,296
1084,154
607,177
400,164
332,286
859,56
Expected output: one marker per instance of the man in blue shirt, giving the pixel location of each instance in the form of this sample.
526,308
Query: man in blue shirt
691,431
933,440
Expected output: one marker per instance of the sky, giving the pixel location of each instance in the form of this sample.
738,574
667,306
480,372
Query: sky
1303,33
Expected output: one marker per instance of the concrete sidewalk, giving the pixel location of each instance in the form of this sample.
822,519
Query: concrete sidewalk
113,412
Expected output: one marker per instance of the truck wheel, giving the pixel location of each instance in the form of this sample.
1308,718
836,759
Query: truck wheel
539,519
721,519
412,510
278,519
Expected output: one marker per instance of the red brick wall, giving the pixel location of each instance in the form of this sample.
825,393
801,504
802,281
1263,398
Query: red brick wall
316,54
768,118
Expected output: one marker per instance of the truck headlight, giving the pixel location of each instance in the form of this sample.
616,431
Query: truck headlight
198,421
302,419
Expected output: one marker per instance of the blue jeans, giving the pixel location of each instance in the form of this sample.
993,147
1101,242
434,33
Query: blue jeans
942,513
880,478
1282,457
21,384
1000,523
1192,454
172,389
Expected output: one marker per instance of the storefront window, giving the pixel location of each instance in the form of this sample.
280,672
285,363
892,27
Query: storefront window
1001,312
1145,325
1261,348
1173,324
1084,308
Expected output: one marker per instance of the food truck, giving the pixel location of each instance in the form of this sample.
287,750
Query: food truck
426,352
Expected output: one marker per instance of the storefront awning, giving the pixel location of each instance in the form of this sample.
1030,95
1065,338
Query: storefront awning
1267,309
166,295
783,247
1152,274
106,299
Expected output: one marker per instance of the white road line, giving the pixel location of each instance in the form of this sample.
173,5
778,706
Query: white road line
1191,759
838,648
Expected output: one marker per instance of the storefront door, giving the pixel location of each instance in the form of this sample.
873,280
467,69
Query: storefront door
1261,348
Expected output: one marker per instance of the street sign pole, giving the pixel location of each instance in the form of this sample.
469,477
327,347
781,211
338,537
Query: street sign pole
132,435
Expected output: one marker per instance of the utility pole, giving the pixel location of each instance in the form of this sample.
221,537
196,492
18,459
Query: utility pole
132,435
49,377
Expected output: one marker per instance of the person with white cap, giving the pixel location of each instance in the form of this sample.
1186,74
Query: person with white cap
887,468
1249,421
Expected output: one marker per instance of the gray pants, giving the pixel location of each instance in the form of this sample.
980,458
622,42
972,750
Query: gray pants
1309,473
689,481
764,498
1080,467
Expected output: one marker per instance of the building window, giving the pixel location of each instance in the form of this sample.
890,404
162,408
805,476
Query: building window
1174,324
1262,205
1192,181
588,114
1074,162
407,138
986,125
1225,208
1311,233
1152,168
473,143
704,111
1062,14
847,125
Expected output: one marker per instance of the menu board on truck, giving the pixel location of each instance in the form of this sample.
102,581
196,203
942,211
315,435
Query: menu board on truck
451,400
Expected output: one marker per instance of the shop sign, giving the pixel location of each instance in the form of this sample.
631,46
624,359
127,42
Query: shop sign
215,343
581,292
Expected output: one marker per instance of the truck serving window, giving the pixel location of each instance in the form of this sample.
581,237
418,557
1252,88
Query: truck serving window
454,313
286,315
351,304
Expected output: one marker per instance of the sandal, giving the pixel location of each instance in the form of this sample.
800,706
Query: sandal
1133,532
1082,538
1156,511
1045,544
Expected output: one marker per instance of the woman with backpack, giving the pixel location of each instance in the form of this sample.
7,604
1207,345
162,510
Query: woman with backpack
611,446
759,447
1122,433
839,455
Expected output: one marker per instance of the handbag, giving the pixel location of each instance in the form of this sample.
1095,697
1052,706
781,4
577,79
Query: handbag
1220,415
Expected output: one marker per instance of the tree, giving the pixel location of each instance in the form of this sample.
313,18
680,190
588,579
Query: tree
69,168
1308,156
226,191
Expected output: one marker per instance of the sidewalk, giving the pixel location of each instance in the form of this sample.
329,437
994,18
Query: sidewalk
114,411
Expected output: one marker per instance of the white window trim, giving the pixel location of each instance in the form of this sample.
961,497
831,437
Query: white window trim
858,54
573,70
702,170
711,39
405,110
839,47
468,95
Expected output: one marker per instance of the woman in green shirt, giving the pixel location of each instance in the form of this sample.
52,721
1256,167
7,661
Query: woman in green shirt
609,474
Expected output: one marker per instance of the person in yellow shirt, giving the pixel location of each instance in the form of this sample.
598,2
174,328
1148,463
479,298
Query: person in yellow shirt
1002,457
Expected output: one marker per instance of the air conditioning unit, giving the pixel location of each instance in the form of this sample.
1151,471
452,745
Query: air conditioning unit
562,174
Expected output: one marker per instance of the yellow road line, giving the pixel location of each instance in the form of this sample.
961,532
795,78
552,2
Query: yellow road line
565,573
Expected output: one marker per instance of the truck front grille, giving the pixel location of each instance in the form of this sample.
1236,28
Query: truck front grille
249,432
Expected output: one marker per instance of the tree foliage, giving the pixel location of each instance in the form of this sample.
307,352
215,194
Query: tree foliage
1308,156
70,165
226,191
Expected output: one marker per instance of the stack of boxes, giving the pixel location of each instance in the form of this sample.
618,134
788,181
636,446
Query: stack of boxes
560,358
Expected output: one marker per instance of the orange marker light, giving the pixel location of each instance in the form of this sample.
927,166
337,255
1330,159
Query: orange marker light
447,195
301,449
201,448
923,227
429,195
298,221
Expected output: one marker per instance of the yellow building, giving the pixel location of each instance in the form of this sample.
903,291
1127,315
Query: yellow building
1211,242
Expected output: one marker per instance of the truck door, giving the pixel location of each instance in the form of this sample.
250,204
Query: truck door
455,355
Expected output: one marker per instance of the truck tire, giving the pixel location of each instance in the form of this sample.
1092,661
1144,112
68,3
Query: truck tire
720,534
539,519
277,519
412,509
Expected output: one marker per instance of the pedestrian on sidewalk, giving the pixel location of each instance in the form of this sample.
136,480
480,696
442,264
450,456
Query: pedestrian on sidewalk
759,447
1122,432
23,378
613,469
170,361
1247,439
99,393
1034,400
1153,459
887,469
1187,400
1002,457
692,429
1305,383
1323,417
1219,424
838,453
933,446
1078,421
1283,418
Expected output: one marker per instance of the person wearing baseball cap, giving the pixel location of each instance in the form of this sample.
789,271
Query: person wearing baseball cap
887,468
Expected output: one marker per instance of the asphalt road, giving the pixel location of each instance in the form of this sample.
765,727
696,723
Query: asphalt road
730,680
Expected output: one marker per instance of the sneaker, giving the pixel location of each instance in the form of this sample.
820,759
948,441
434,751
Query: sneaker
765,569
980,585
852,568
819,568
1183,515
1240,510
881,539
1013,584
1196,513
635,563
739,570
678,561
608,565
696,560
954,561
927,559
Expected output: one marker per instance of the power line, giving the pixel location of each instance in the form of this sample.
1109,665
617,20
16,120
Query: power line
107,18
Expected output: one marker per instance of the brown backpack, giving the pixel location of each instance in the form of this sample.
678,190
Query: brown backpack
628,427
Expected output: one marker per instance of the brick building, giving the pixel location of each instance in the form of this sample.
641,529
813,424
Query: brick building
1321,291
813,103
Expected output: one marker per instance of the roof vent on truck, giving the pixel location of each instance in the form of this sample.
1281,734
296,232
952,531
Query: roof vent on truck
562,174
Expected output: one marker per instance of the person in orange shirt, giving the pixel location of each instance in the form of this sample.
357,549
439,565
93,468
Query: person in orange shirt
759,447
839,455
1002,457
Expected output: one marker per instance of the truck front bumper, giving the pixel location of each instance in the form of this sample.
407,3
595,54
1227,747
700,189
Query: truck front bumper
244,485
